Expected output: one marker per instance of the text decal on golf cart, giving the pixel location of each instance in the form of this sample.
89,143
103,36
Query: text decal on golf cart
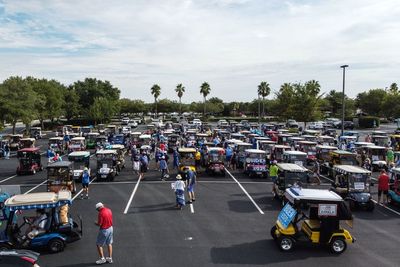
327,210
286,215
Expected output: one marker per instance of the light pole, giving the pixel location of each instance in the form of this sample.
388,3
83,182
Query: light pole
344,76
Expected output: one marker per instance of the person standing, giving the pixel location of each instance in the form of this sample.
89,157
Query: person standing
273,172
176,158
234,158
144,164
389,156
191,181
7,151
85,183
179,187
164,168
228,153
105,235
197,159
383,186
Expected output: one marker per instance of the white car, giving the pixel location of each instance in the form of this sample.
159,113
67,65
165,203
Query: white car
126,130
125,120
197,122
133,124
316,125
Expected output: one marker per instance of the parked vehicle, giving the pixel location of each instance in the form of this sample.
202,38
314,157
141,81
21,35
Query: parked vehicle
15,141
36,132
101,141
380,140
296,157
353,183
118,139
292,124
58,232
27,142
289,174
277,153
85,130
91,140
80,160
326,140
20,258
106,164
57,144
173,142
216,161
377,154
77,144
255,162
284,139
323,153
321,224
29,161
240,148
394,191
186,159
60,177
347,125
338,157
121,151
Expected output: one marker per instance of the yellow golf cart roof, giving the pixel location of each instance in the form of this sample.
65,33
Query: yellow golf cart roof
344,169
186,150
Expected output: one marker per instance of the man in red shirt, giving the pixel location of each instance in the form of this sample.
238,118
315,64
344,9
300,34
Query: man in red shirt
105,236
383,186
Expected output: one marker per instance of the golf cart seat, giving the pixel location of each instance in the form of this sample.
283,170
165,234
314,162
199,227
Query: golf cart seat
314,225
63,227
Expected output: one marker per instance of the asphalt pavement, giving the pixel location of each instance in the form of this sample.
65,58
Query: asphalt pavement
227,225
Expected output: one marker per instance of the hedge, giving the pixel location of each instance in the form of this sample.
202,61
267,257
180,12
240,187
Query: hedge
368,122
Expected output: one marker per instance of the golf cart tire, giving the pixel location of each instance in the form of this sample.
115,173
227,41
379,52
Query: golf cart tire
286,243
371,205
55,245
337,245
390,200
273,235
5,247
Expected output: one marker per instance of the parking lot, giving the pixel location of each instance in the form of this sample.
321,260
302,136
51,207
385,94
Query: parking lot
227,225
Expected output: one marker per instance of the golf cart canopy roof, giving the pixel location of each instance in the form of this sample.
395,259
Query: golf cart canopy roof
78,138
40,200
243,144
116,146
145,136
327,147
291,167
282,146
59,164
290,152
307,143
105,152
145,147
255,151
186,150
79,154
322,195
376,147
56,139
219,149
395,170
350,169
29,150
28,139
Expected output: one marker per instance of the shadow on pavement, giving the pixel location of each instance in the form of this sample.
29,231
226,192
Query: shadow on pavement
154,208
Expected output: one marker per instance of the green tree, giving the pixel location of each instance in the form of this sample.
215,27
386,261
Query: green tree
205,91
371,102
284,101
102,109
394,89
306,101
71,105
263,90
180,89
17,101
155,91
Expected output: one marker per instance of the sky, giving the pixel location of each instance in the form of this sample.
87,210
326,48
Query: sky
231,44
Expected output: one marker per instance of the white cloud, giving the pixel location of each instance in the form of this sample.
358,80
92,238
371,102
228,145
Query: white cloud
232,44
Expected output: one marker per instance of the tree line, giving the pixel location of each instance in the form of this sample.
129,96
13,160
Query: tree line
30,98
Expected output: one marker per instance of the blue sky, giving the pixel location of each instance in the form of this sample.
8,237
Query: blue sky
232,44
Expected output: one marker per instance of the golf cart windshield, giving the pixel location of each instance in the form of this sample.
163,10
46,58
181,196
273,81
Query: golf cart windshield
58,174
358,181
292,178
348,160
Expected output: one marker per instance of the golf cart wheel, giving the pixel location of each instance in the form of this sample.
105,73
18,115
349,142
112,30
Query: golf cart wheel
273,230
4,247
338,245
286,243
370,206
56,245
390,200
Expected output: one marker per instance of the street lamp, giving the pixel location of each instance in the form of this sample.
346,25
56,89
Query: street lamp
344,75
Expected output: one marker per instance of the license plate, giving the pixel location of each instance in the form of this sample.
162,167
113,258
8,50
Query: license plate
259,173
104,176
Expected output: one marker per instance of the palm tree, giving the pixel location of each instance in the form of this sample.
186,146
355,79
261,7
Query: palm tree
205,91
155,91
264,90
180,89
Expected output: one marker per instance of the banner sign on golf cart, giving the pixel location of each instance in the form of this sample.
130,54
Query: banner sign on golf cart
286,215
327,210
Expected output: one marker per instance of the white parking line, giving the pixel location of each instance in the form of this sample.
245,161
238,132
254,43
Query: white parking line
80,191
244,190
191,208
6,179
131,197
33,188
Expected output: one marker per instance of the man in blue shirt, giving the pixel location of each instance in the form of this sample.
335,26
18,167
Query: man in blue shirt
191,181
85,183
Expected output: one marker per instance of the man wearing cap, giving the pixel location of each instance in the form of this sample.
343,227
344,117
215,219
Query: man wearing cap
179,187
273,172
85,183
105,235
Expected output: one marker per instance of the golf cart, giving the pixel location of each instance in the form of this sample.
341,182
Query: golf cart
101,140
215,163
296,157
80,160
326,140
338,157
380,140
36,132
353,183
118,139
85,130
377,154
120,149
106,164
57,144
15,141
318,223
91,140
255,162
289,174
29,161
240,148
323,152
277,153
59,177
27,143
77,144
186,159
394,192
60,229
173,142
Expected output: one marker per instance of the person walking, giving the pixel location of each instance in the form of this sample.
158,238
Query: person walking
164,168
191,181
85,183
228,153
390,156
176,159
179,187
197,158
273,172
233,163
105,235
144,164
383,186
7,151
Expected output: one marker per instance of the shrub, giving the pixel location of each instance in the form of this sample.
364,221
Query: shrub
368,122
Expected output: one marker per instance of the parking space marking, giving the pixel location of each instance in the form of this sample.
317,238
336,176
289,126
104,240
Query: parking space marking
131,197
244,190
33,188
6,179
191,208
80,191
